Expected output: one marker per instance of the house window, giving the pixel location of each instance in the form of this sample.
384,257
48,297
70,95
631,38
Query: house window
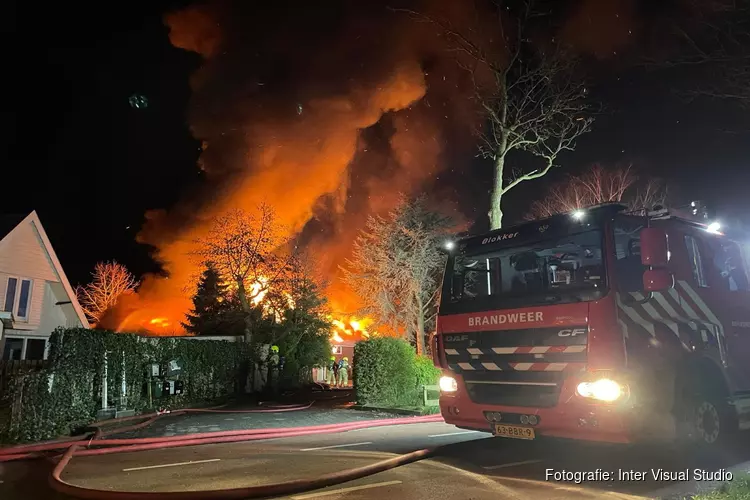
18,298
10,294
337,349
13,350
17,349
35,348
694,253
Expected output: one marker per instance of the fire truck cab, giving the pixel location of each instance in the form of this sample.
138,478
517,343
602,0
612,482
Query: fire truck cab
598,325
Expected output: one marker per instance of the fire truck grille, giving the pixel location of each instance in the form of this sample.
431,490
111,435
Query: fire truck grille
517,367
530,389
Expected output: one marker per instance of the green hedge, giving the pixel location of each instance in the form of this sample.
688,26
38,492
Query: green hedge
427,372
387,372
67,394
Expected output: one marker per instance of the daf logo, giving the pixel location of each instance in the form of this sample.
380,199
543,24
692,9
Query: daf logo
571,333
456,338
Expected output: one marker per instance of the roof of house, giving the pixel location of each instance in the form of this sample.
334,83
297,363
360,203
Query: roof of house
9,222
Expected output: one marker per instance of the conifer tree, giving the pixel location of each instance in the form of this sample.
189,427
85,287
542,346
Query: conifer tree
213,310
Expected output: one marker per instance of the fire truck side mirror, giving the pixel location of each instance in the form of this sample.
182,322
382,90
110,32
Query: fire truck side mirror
654,251
657,280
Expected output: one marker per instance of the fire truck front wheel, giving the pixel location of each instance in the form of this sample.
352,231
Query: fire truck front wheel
704,417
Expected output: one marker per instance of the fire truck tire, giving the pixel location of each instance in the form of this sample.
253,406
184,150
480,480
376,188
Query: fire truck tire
703,415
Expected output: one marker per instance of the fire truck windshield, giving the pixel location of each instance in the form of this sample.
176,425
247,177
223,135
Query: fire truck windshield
559,269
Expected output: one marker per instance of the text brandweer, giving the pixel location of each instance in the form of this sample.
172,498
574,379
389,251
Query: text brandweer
499,319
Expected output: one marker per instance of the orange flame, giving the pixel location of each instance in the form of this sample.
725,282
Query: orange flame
353,329
258,290
160,322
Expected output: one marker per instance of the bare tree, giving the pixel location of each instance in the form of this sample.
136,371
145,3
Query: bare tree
247,251
599,185
110,280
369,273
396,265
528,97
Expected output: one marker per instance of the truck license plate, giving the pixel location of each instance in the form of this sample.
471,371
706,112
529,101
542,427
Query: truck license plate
514,431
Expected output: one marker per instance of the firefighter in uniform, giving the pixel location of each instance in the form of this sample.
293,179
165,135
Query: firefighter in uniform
273,368
332,372
344,372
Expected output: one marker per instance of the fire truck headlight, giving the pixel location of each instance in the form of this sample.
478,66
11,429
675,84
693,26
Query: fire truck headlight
448,384
603,389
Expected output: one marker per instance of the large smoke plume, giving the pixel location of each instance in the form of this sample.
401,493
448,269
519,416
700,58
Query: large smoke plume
323,110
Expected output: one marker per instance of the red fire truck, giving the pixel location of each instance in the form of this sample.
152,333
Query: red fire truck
597,325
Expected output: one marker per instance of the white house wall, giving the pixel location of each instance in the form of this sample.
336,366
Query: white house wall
22,255
23,251
53,316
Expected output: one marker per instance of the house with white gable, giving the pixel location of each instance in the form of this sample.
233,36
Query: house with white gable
35,295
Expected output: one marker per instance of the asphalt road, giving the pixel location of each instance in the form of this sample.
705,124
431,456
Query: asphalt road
469,465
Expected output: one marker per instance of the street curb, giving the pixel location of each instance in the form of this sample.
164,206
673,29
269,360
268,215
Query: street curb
395,411
689,489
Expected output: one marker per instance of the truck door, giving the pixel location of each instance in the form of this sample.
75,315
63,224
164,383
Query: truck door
730,290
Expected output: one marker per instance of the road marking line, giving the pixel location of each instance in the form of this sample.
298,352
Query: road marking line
335,446
512,464
172,465
451,434
346,490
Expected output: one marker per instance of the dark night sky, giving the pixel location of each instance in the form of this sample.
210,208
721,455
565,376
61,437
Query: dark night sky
75,151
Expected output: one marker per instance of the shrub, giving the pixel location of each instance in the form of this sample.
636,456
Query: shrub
427,372
384,372
388,372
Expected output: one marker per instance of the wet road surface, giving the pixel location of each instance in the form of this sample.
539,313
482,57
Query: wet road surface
468,465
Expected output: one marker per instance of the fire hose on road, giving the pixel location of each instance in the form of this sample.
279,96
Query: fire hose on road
95,444
148,418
